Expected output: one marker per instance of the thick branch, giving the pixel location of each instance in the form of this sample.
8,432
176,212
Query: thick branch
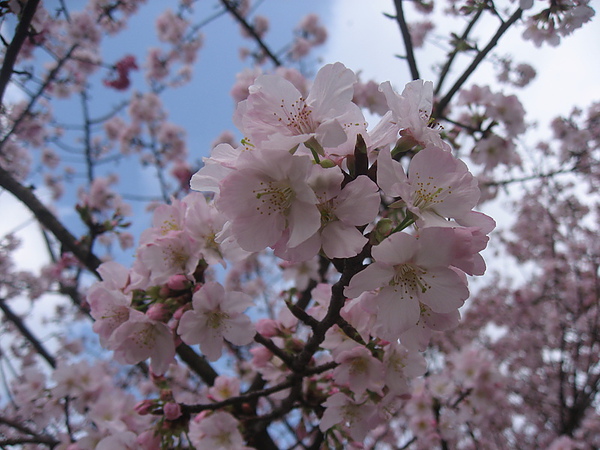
49,220
35,437
351,267
197,364
27,334
21,32
270,345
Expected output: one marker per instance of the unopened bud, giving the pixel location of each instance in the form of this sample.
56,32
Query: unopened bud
267,327
382,230
178,282
144,407
172,411
158,312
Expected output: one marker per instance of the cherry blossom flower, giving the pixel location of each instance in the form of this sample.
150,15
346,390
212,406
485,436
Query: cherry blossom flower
401,365
367,95
418,336
224,388
174,253
267,195
411,113
405,275
125,440
203,223
217,431
140,338
109,305
359,370
338,236
277,116
222,162
216,315
357,418
438,186
170,27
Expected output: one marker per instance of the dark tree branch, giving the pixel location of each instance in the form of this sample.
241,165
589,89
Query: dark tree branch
408,45
27,334
250,29
49,220
197,364
351,267
441,106
21,33
37,95
249,396
538,176
270,345
456,51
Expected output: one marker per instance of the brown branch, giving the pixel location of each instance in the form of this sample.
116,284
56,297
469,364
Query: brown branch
441,106
33,438
455,51
249,396
197,364
408,45
27,334
270,345
21,32
34,97
539,176
351,267
49,220
250,29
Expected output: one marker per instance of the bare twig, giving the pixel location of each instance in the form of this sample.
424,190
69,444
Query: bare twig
250,29
441,106
455,51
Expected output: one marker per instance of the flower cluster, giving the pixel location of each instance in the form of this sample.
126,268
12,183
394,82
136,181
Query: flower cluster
311,182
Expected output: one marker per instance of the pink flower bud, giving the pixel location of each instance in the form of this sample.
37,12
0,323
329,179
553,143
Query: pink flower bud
144,407
179,312
164,291
201,416
158,312
172,411
260,356
267,327
178,282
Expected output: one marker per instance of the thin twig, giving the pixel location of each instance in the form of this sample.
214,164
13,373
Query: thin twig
250,29
441,106
455,51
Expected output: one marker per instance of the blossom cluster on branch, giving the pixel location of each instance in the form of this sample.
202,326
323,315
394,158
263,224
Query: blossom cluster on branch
305,286
310,182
